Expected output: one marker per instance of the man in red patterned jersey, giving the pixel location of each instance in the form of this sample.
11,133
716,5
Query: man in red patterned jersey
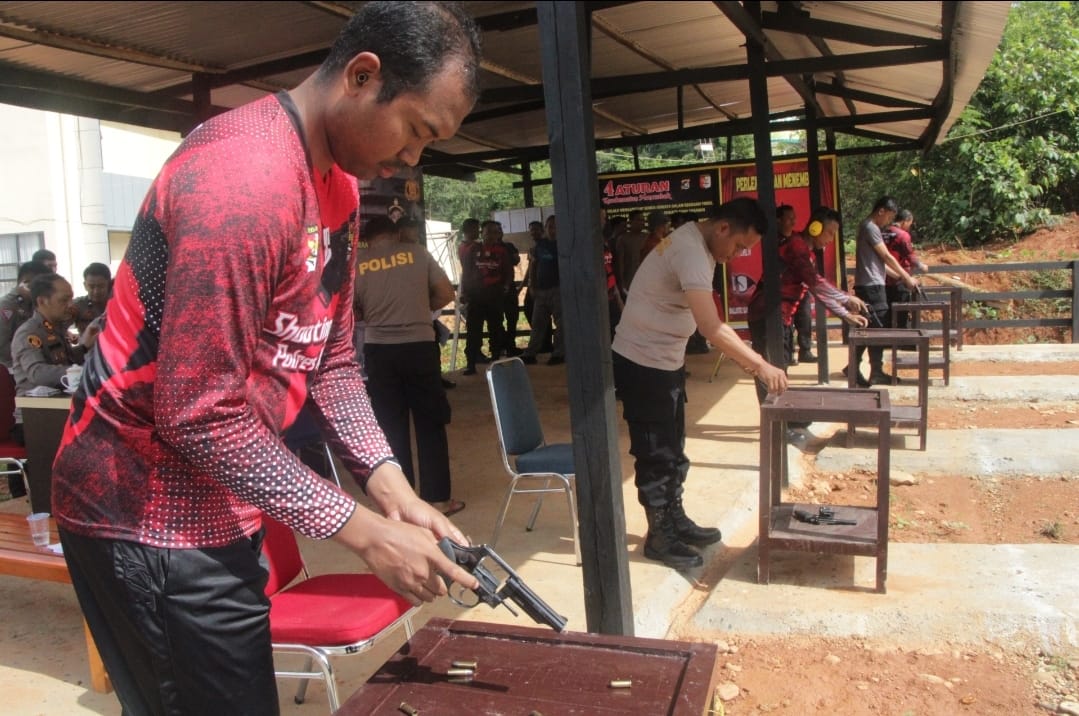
490,271
172,451
798,277
901,246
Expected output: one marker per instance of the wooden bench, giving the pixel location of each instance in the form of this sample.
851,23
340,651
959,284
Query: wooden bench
20,557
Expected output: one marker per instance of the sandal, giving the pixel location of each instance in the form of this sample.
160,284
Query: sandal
449,507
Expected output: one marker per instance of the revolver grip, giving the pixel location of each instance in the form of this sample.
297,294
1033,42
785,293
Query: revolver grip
469,558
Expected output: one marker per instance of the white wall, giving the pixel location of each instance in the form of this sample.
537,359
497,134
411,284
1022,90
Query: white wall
52,183
26,195
134,151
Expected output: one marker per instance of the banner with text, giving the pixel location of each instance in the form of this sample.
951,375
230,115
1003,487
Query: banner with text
398,197
668,190
791,176
701,188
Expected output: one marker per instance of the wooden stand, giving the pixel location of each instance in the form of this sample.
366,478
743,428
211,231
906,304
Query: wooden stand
942,360
954,296
893,337
523,670
778,527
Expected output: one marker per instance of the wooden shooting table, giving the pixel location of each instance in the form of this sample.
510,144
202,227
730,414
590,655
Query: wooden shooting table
939,359
894,337
20,557
954,296
521,670
779,529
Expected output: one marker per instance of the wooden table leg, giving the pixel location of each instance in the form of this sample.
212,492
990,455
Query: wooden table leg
99,679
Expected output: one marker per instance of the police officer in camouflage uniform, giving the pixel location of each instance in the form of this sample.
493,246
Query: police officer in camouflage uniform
97,280
16,307
40,350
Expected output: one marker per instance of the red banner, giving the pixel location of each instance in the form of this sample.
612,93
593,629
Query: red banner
791,178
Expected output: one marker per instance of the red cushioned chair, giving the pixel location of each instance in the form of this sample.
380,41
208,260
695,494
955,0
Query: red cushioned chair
12,455
325,615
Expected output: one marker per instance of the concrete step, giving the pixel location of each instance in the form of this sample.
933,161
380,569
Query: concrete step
956,593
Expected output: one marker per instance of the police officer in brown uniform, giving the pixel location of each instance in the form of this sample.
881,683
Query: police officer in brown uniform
97,280
16,307
40,350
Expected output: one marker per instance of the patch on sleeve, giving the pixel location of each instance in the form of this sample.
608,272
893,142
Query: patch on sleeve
33,340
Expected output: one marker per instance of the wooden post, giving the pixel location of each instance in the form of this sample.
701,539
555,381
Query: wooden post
563,29
821,323
1075,301
762,150
526,183
681,108
200,93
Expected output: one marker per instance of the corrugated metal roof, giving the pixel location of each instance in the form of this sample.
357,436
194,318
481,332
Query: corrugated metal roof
136,60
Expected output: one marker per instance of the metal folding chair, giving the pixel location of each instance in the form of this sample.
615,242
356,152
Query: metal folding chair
525,454
325,615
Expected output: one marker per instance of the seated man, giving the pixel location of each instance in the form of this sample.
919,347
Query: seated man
97,280
40,351
16,307
46,257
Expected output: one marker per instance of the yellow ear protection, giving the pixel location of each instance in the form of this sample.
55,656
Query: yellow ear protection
815,229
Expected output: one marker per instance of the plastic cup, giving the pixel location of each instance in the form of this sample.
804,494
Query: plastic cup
39,528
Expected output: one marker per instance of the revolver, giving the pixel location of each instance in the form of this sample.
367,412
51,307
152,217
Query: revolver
488,592
825,516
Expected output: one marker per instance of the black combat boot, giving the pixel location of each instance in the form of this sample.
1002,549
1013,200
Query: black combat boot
689,531
877,376
663,545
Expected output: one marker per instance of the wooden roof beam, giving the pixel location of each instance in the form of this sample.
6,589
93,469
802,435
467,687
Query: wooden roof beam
844,92
749,27
734,127
529,81
801,23
20,78
646,82
618,36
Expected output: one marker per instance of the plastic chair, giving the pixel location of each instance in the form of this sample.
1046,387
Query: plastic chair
12,455
520,437
325,615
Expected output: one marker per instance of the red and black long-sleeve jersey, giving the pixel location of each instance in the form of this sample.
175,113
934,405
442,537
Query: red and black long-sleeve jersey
232,306
901,246
797,275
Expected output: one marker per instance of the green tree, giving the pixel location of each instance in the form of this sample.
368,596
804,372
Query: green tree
1012,158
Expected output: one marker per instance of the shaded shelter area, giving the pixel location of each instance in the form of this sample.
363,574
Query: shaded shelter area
618,74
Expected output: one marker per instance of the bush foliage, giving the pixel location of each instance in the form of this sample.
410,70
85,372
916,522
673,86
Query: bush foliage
1011,160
